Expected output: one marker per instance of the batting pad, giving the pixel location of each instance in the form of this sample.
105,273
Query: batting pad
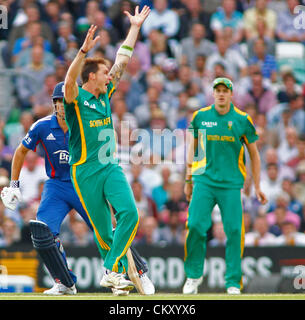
44,243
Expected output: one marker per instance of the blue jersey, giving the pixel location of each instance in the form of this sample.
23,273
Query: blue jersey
58,197
54,141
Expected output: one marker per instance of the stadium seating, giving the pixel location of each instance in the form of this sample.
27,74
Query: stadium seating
292,54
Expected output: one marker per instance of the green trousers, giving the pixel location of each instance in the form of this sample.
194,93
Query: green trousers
96,185
199,221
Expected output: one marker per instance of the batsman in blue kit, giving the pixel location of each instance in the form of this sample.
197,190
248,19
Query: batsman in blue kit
58,198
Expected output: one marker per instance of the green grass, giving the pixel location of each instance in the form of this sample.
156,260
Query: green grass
160,297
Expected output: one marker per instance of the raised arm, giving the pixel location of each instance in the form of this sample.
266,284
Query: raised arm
125,51
71,87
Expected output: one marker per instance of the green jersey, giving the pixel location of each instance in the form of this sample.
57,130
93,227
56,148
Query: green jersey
220,157
90,126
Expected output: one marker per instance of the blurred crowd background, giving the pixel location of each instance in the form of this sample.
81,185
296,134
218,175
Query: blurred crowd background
183,46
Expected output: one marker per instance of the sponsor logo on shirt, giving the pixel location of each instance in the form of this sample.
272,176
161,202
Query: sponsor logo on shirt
100,122
92,106
216,137
209,124
50,137
63,156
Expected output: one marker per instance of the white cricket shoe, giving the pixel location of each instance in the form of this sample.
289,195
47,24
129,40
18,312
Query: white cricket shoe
59,289
191,285
233,290
147,284
114,280
118,292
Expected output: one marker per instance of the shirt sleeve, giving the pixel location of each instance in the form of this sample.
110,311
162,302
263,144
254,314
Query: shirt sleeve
250,135
172,24
72,104
31,139
193,128
249,19
271,19
241,62
110,90
215,23
239,21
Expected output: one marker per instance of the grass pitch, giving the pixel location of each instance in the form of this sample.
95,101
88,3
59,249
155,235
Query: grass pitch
156,297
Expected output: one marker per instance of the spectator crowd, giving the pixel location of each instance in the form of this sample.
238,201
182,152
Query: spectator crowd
183,46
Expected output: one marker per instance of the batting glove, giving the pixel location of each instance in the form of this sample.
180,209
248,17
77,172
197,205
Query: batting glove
11,195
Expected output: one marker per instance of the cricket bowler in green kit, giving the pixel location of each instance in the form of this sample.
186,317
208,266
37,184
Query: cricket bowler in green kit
96,175
215,175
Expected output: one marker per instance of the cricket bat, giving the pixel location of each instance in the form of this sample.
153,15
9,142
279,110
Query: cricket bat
133,273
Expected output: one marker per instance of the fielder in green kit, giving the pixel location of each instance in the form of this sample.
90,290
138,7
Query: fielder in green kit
96,175
215,175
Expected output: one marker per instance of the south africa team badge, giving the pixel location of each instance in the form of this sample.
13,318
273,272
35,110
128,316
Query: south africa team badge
230,123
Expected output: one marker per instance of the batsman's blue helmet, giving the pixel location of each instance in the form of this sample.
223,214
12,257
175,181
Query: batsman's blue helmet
58,92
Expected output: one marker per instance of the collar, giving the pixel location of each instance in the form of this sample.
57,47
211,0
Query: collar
230,111
54,122
88,95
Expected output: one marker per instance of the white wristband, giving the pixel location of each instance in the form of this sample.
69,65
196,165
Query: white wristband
125,51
